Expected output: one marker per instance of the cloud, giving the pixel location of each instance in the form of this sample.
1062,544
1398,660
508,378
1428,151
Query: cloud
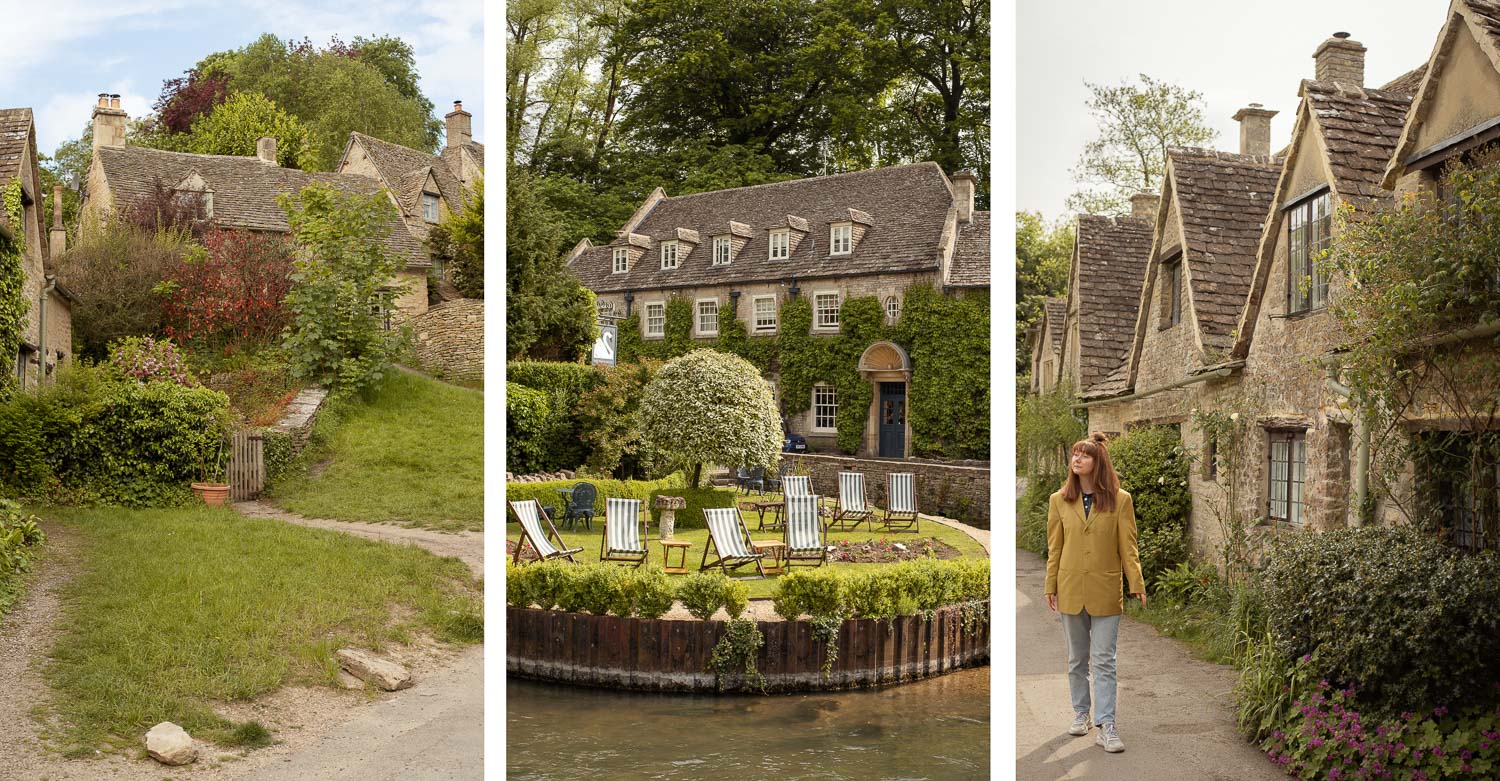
43,30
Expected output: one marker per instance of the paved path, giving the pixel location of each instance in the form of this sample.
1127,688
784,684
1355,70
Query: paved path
1175,712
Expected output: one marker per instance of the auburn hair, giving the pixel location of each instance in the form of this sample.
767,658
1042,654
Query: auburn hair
1106,482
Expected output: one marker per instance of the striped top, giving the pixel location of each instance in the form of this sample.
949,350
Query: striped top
724,526
622,527
803,527
902,494
529,513
851,492
797,485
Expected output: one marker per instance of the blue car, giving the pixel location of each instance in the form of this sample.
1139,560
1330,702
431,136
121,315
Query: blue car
794,443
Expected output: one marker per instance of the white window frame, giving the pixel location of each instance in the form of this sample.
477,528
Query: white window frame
831,399
676,257
621,260
646,320
698,317
892,317
755,324
841,238
818,324
723,246
429,199
781,239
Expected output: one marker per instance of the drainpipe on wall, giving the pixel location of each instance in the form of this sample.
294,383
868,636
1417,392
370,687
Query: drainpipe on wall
41,316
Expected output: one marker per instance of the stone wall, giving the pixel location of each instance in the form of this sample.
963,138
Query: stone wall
960,491
449,339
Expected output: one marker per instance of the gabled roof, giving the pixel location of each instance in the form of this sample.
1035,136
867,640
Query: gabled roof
399,166
1054,312
15,132
473,149
1479,17
1358,128
971,254
907,207
1109,266
245,189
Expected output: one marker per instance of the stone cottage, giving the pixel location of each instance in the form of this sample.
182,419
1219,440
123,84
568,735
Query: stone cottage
241,191
866,233
1104,289
47,339
1046,338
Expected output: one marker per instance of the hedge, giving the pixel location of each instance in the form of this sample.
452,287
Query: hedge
553,442
674,484
527,417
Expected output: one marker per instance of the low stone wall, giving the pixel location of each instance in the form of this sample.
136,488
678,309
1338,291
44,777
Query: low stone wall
448,339
957,491
657,655
300,414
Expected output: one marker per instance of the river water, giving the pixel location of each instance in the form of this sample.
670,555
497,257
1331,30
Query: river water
932,730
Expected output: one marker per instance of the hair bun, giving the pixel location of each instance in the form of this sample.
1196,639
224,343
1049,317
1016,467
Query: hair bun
1099,437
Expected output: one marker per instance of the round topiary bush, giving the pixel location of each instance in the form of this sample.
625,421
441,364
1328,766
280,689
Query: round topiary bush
709,407
1409,621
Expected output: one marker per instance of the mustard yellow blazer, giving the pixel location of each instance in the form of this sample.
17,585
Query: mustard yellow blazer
1085,557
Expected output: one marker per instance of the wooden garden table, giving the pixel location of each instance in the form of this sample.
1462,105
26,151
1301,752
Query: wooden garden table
760,507
776,550
666,554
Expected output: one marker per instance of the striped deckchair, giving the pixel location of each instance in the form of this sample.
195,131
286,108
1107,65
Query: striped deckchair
796,485
851,510
804,534
624,532
730,540
900,503
529,513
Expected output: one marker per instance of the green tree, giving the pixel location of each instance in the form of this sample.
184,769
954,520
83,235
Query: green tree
340,287
1137,122
609,418
234,127
531,27
1044,253
549,315
458,245
708,407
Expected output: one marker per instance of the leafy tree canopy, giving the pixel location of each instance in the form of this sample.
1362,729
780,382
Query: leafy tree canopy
236,125
708,407
548,314
1043,255
458,244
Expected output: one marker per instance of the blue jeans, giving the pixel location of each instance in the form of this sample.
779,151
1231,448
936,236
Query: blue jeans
1091,644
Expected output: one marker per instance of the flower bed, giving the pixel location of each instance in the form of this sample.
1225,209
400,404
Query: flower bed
887,551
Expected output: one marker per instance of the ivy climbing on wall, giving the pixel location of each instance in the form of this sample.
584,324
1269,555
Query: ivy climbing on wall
12,281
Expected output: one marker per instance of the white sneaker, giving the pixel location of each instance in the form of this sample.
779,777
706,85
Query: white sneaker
1080,724
1109,739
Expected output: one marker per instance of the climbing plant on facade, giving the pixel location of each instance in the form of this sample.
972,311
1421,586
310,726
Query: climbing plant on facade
12,279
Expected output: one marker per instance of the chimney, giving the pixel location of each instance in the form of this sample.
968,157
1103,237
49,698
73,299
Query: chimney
265,150
109,121
57,239
1143,205
1255,129
1340,59
963,194
460,127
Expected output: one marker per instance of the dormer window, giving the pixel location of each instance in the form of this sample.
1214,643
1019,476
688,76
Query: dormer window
721,250
781,243
668,255
430,207
622,260
199,202
840,238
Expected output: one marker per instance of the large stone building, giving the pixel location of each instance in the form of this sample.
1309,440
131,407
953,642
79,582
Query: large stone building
826,239
1233,314
241,191
47,339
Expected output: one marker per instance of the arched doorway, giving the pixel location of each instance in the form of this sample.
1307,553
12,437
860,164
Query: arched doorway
888,430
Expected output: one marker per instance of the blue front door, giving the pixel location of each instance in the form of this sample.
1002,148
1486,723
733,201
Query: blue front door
892,420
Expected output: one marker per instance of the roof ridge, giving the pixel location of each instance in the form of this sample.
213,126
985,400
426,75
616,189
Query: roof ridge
785,182
1367,93
1203,153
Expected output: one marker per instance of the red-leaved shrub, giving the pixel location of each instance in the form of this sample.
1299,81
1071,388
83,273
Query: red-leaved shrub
229,294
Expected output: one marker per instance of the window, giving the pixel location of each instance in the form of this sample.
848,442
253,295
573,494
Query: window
429,207
721,250
622,260
1464,485
839,238
23,357
1211,456
892,309
825,408
1171,291
668,255
781,242
765,314
826,311
708,317
656,319
1307,285
1288,468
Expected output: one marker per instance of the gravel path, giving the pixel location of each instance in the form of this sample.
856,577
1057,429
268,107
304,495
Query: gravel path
467,546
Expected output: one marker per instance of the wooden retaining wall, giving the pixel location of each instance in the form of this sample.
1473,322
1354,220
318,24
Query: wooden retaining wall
657,655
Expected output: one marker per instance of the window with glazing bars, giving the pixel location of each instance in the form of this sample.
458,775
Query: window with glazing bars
1307,239
1288,473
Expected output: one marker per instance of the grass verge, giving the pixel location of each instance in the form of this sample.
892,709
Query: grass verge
1206,630
177,609
409,451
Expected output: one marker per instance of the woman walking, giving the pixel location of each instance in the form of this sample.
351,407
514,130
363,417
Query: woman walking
1090,541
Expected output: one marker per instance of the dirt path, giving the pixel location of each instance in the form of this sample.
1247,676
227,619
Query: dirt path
1175,712
466,546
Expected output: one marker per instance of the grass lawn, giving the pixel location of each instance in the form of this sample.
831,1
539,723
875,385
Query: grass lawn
590,542
1202,628
176,609
411,451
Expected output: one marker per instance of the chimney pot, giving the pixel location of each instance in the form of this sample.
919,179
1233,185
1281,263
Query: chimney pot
1340,59
1255,129
1143,205
103,101
265,149
114,101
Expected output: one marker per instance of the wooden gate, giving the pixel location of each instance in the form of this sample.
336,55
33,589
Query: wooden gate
247,466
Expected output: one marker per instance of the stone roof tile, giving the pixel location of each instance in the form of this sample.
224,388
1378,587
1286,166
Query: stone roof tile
971,254
1360,130
1111,267
15,130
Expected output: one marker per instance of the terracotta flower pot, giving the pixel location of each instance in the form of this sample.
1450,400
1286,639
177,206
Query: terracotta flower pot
212,493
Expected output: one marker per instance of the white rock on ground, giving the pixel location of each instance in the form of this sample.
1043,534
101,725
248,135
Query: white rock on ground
383,673
170,744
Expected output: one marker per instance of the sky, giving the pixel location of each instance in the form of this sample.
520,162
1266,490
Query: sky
1233,53
66,52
